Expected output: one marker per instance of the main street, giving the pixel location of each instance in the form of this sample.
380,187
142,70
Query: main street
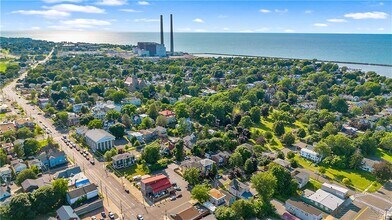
110,187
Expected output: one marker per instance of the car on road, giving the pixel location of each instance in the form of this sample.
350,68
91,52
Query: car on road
93,218
92,162
111,215
173,198
139,217
127,191
103,214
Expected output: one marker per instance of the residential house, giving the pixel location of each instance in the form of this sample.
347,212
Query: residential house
221,158
310,155
52,157
302,178
18,166
229,198
88,191
73,119
368,164
323,200
156,187
5,173
43,102
6,127
29,185
161,131
68,172
300,145
24,122
283,163
78,180
217,198
338,191
35,162
192,162
190,141
5,192
207,166
135,134
194,212
78,107
240,190
302,210
123,160
98,139
66,212
149,135
82,130
169,115
288,216
132,100
8,148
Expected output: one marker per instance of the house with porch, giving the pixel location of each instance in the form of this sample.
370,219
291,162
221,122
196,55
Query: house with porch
123,160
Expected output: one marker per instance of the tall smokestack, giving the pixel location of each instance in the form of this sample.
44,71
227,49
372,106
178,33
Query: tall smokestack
162,42
171,35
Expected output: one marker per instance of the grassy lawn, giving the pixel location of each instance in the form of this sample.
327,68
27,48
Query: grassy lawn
2,116
313,185
383,154
132,171
360,179
43,143
3,66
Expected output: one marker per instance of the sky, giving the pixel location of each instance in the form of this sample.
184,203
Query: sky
290,16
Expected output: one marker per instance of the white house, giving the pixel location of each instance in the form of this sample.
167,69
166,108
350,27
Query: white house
367,164
310,155
302,178
98,139
88,191
78,107
240,190
123,160
216,197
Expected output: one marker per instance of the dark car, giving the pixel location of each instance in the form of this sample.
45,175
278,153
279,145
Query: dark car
92,162
103,214
179,195
127,191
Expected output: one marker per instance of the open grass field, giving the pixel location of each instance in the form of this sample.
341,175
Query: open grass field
383,154
3,66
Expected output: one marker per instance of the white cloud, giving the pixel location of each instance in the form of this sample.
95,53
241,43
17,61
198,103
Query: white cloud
263,29
130,10
77,8
381,3
58,1
320,25
84,23
367,15
145,20
143,3
198,20
380,29
184,29
226,29
308,12
264,11
289,31
337,20
112,2
35,28
281,11
50,14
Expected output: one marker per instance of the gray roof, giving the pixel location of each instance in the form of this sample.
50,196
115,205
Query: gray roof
281,162
98,134
302,175
66,212
207,162
76,193
68,172
122,156
237,185
326,199
305,207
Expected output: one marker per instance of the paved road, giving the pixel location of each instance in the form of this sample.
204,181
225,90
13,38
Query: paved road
110,187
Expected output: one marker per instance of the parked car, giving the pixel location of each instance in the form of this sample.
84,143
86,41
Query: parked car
111,215
103,214
173,198
179,195
139,217
127,191
92,162
177,188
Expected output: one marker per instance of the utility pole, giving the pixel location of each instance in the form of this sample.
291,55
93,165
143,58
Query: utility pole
106,189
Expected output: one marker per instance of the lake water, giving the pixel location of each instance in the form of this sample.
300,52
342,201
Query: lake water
361,48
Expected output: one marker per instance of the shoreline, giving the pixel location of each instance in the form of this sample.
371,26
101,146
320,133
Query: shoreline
285,58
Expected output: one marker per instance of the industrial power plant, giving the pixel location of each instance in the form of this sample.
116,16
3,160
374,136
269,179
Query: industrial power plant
153,49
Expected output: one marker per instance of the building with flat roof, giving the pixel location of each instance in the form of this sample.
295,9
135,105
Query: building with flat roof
310,155
66,212
338,191
325,201
192,213
151,49
217,197
302,210
156,187
98,139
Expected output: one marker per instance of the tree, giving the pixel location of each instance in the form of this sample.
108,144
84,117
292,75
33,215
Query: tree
85,119
192,175
184,127
236,160
146,123
20,207
24,175
383,171
181,110
290,155
246,122
161,121
24,133
301,133
112,115
118,96
126,120
3,157
265,184
62,117
30,146
356,160
322,170
323,102
200,193
153,111
288,139
117,130
340,145
279,128
386,141
225,213
43,199
95,124
323,149
151,153
285,183
60,188
255,114
244,208
346,181
339,104
109,154
179,150
250,166
128,109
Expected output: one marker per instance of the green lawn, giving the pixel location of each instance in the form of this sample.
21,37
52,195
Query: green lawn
130,171
313,185
2,115
3,66
383,154
360,179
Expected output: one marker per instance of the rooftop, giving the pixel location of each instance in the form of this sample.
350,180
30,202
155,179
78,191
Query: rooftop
305,207
82,191
216,194
326,199
98,134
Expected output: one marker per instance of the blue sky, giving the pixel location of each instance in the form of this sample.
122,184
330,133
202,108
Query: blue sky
291,16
